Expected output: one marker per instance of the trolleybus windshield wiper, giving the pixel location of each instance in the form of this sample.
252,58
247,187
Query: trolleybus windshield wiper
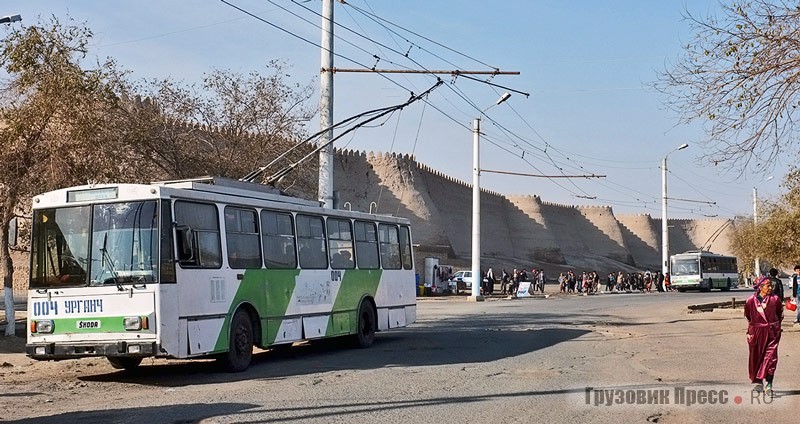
107,258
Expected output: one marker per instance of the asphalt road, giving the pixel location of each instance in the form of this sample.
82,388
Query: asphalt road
499,361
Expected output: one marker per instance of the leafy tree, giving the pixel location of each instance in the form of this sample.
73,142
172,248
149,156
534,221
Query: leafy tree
774,239
739,77
54,115
744,244
227,126
63,124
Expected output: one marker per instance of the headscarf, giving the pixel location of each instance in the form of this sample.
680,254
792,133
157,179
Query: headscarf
761,280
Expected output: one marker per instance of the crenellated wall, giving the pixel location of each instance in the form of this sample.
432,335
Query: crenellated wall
514,228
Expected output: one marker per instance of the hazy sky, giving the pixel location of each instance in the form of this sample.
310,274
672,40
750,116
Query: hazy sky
586,64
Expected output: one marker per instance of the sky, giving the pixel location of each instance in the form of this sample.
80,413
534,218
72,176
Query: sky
586,65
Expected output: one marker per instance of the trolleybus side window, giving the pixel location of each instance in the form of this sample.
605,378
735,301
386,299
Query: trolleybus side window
390,246
405,248
366,245
197,226
241,234
277,232
340,243
311,242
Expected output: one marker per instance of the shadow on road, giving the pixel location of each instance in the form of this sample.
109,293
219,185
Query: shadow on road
188,413
402,347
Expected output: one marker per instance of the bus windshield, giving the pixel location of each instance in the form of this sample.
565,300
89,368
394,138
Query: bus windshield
95,245
685,267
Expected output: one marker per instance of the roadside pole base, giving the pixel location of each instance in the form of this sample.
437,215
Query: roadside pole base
478,298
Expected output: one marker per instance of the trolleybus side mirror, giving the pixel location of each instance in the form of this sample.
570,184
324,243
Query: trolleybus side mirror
186,245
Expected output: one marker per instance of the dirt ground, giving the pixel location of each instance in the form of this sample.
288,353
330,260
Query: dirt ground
499,366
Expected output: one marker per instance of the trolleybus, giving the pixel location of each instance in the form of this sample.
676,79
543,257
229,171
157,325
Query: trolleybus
700,269
208,267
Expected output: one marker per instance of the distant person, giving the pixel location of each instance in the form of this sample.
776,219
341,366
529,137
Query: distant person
777,284
542,280
764,313
795,292
504,280
489,281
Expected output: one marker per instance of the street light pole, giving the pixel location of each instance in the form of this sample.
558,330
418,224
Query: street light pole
755,223
477,278
476,210
325,189
664,227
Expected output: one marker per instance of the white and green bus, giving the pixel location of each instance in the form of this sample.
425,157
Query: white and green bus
701,269
208,267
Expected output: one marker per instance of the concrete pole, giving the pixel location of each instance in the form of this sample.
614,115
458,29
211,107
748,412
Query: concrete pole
755,222
325,193
476,211
664,227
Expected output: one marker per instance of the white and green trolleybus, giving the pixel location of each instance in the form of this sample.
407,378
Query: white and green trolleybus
701,269
208,267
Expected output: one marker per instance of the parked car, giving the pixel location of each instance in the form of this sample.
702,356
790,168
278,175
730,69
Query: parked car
462,280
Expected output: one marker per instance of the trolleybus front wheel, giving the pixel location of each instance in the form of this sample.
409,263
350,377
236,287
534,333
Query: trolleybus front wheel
240,344
128,363
365,334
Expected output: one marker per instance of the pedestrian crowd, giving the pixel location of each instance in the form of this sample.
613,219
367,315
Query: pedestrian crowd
570,282
590,282
510,282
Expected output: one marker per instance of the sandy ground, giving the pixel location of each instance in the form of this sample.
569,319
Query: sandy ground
502,361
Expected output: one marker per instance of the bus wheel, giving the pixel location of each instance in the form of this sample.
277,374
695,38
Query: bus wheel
366,325
727,286
708,287
240,345
124,362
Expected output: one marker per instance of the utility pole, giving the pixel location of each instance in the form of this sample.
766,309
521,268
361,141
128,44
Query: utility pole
325,192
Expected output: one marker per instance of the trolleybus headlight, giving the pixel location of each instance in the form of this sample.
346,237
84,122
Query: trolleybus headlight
132,323
134,349
40,350
43,326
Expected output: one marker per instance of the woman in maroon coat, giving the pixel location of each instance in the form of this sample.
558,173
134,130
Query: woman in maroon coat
764,312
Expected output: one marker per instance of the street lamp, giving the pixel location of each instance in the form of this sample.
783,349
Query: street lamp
664,228
755,219
9,19
477,278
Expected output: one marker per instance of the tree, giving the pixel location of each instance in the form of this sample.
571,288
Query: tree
228,126
62,124
774,239
740,77
54,117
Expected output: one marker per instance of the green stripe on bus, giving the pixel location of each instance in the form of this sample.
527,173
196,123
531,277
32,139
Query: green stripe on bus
269,290
89,325
356,284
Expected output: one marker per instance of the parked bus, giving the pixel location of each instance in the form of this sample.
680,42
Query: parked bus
208,267
700,269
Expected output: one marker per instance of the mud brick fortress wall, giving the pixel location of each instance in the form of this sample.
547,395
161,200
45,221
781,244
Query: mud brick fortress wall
515,229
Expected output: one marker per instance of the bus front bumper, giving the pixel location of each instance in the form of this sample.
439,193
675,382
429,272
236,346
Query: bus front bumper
50,351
